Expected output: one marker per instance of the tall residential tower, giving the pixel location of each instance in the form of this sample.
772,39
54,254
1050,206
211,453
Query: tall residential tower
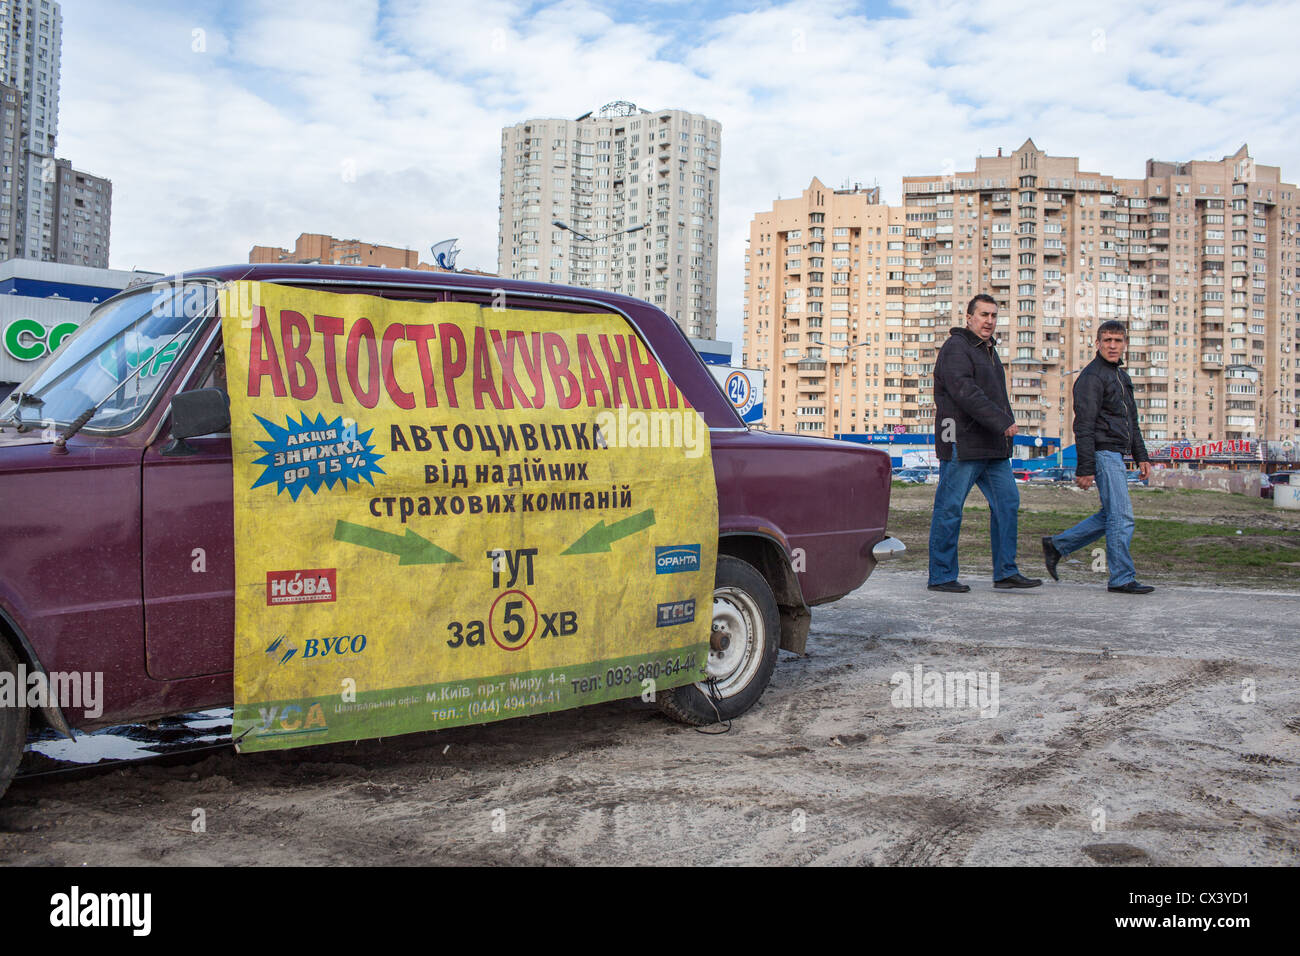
48,210
603,175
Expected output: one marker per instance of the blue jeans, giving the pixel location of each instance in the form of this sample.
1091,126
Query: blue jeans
1114,520
993,475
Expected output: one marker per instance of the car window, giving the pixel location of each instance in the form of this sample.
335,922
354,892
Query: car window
118,362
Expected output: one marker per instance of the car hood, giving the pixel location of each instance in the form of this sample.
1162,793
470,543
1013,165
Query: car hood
10,436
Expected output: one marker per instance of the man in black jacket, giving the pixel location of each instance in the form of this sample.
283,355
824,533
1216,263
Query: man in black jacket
973,431
1105,430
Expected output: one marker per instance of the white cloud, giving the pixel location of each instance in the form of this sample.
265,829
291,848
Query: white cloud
246,142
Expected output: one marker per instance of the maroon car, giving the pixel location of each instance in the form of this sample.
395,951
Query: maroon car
115,479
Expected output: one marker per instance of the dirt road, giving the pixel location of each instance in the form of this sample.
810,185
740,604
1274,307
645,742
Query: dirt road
1179,744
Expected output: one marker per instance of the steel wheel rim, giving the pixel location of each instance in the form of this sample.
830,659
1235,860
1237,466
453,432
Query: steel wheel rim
737,624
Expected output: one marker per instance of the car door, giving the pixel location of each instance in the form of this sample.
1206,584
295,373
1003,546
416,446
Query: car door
188,545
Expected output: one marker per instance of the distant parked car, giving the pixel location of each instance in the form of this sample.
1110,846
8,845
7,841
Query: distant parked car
924,475
1279,478
1062,475
1021,475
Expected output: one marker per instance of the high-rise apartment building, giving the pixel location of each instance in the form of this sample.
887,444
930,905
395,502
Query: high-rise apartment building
603,175
83,206
33,224
818,315
1198,259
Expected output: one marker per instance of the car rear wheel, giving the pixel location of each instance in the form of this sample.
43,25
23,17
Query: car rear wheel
743,645
13,720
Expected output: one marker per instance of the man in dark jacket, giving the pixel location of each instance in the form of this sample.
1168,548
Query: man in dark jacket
973,431
1105,430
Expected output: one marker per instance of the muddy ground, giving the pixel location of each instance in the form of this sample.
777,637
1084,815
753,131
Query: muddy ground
1129,731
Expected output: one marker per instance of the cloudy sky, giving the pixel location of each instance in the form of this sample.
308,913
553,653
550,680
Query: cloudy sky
225,125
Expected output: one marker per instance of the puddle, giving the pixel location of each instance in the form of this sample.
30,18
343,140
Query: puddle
48,750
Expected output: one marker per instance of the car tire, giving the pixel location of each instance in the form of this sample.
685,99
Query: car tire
13,722
745,638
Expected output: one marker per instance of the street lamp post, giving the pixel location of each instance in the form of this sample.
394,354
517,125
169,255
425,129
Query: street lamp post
567,228
1060,417
1256,377
1263,437
847,350
559,224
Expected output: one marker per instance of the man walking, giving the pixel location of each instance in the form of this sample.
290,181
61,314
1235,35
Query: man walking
1105,430
973,431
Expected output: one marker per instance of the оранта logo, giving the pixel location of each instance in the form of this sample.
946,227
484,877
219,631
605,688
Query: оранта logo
675,612
672,558
301,587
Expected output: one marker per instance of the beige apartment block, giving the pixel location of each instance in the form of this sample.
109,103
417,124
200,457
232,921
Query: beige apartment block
1197,258
820,319
602,175
326,250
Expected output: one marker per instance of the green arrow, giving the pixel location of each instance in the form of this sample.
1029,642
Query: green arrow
411,549
600,535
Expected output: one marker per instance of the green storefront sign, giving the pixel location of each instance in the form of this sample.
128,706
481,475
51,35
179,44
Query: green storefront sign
27,340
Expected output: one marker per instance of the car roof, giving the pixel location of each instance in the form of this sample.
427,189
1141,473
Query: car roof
672,343
372,275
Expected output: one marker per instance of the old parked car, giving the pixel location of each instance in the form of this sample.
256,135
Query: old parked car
1060,475
102,514
1279,478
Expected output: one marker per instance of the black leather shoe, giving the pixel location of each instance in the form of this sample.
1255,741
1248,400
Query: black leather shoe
956,587
1133,587
1050,556
1017,581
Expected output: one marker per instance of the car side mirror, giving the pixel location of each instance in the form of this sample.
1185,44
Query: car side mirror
198,412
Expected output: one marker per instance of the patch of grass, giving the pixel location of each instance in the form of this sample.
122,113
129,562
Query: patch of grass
1163,548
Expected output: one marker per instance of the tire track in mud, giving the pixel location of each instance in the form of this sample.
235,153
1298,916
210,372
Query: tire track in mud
978,807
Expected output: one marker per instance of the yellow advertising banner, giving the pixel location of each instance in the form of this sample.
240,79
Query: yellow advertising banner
450,514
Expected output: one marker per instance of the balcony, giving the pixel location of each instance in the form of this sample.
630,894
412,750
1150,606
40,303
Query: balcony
1212,360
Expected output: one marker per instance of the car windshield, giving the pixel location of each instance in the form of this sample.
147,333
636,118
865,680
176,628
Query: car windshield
144,332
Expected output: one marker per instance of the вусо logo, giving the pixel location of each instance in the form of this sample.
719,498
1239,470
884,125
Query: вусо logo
301,587
319,647
675,612
673,558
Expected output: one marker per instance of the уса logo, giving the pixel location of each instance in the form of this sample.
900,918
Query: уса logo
301,587
291,719
672,558
675,612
